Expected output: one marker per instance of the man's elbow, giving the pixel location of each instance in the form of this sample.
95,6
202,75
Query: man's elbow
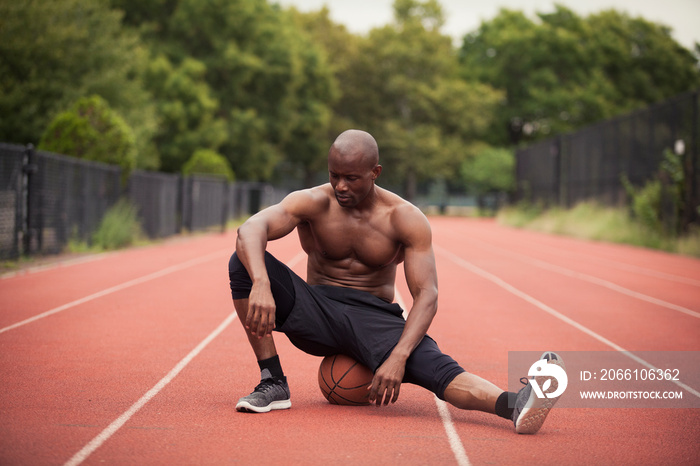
431,299
246,230
244,234
240,234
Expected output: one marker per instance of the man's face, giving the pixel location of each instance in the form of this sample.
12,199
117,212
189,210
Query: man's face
351,178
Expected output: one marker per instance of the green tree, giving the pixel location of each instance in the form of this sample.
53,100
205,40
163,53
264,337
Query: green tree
187,110
91,130
255,67
641,59
341,50
564,72
404,87
52,53
205,161
311,118
270,82
489,170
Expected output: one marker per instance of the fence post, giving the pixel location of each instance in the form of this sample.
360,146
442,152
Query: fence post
519,176
555,150
692,169
224,206
29,168
185,203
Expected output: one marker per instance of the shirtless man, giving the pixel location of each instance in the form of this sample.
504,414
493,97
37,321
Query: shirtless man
355,234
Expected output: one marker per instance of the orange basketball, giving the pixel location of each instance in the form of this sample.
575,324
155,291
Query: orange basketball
344,381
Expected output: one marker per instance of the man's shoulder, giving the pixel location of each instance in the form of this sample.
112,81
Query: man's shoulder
401,207
309,200
406,218
317,193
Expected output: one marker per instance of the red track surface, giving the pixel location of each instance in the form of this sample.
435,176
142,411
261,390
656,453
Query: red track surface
83,382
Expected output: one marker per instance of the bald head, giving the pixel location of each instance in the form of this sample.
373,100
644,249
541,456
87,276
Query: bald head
357,145
353,165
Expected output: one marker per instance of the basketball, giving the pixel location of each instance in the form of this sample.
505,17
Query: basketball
344,381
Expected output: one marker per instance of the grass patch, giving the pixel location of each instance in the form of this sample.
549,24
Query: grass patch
119,228
689,244
519,216
589,220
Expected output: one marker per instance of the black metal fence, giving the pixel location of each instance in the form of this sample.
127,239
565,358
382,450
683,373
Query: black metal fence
591,163
47,200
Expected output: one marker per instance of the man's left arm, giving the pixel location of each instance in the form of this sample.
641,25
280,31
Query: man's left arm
421,277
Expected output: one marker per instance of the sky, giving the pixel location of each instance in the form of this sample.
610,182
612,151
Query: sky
463,16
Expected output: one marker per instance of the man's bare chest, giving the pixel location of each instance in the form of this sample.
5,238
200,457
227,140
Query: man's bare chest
370,244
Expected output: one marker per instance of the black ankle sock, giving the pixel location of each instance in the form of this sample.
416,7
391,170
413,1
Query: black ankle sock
273,365
505,404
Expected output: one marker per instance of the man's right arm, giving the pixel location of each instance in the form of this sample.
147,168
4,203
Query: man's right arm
269,224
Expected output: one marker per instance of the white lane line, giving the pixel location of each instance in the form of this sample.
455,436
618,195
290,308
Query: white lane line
649,272
612,286
455,442
103,436
589,278
493,278
452,436
55,265
114,289
636,269
567,254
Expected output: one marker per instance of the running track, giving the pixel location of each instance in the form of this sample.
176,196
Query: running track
136,357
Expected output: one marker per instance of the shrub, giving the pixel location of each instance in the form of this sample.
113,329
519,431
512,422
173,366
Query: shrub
91,130
520,215
646,205
492,169
119,227
208,162
591,221
658,204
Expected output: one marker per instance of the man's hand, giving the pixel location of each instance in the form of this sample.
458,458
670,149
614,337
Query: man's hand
387,381
261,310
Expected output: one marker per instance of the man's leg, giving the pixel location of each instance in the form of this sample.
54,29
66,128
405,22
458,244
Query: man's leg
273,391
264,348
468,391
525,409
429,367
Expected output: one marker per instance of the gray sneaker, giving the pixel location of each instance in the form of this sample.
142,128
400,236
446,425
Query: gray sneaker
530,410
271,393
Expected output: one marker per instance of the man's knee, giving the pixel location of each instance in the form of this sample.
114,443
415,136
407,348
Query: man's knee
234,263
239,280
280,280
431,368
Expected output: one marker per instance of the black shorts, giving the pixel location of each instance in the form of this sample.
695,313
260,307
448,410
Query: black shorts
325,320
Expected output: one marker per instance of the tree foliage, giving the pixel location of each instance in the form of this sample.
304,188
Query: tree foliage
250,84
91,130
341,49
641,59
187,110
208,162
489,170
564,71
53,53
404,88
269,88
205,161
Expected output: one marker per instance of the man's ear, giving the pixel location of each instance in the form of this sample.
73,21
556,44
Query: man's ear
376,171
